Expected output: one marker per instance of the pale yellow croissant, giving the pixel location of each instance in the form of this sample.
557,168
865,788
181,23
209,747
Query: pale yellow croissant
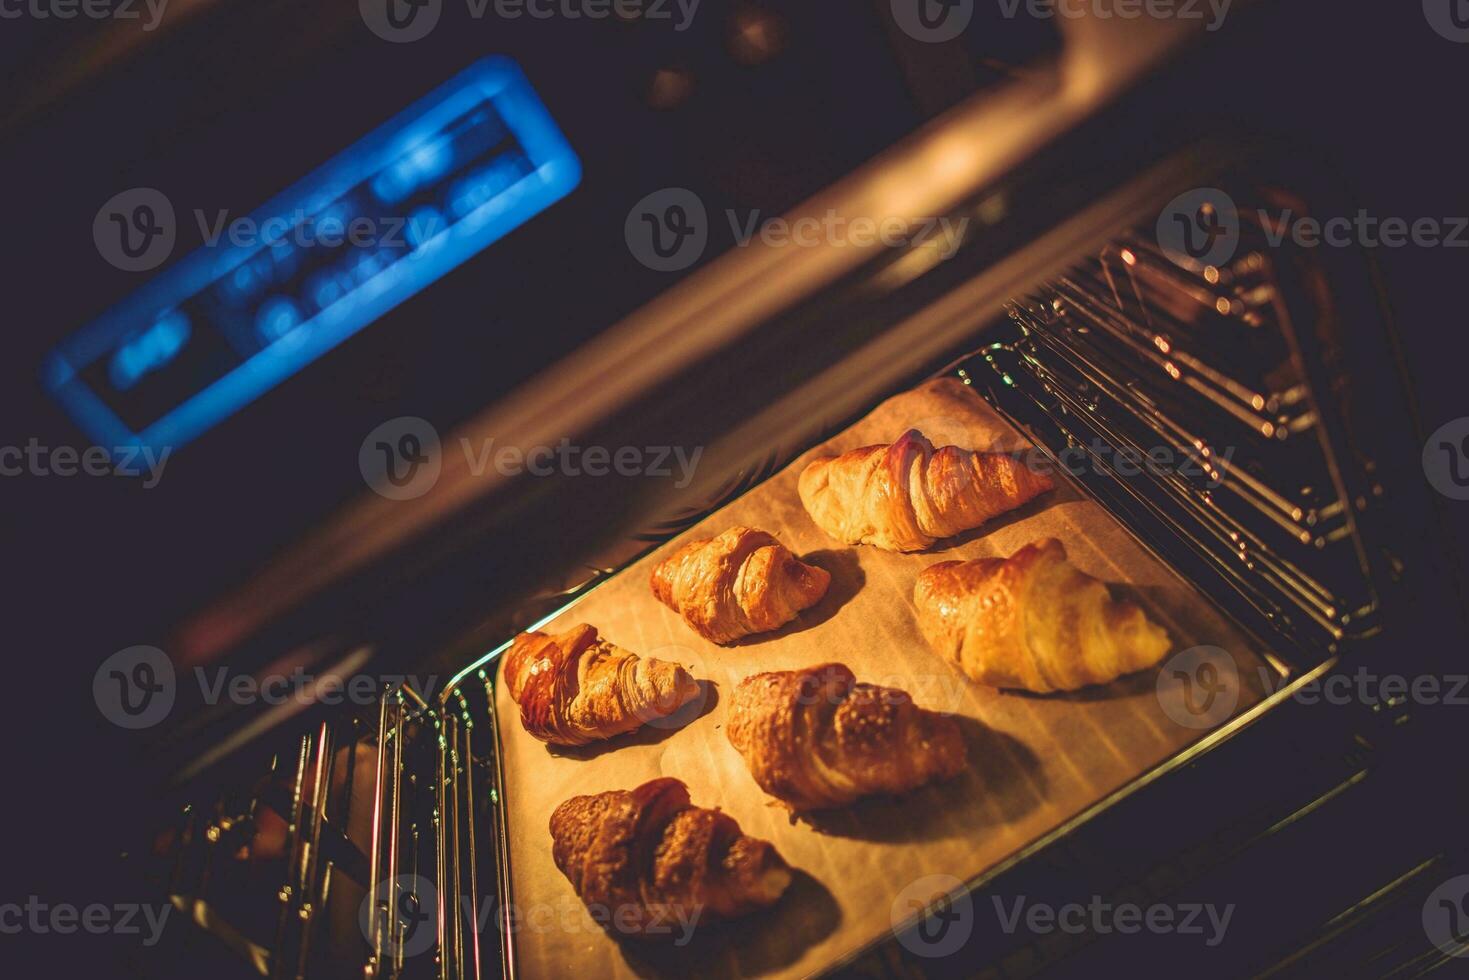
1033,621
743,581
575,688
906,496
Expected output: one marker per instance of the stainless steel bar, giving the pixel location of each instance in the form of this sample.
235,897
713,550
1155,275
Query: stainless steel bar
375,939
288,892
469,772
311,899
395,782
440,858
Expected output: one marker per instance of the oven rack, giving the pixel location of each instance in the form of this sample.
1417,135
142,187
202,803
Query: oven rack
401,841
1127,353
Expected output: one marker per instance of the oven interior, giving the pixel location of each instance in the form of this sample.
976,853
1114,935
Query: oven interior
374,843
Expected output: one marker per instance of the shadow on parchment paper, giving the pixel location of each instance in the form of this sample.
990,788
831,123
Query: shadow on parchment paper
847,579
652,733
1003,775
760,943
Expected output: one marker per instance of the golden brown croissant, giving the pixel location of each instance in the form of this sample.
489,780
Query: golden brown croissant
575,688
649,865
906,496
743,581
1033,621
816,738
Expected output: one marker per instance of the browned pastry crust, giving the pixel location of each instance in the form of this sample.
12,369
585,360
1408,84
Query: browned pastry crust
743,581
575,688
1033,621
906,496
647,862
816,738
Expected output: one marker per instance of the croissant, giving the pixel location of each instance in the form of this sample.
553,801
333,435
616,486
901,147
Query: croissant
743,581
575,688
647,864
816,738
1033,621
906,496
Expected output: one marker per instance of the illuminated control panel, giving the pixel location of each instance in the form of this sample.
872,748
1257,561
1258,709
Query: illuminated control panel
264,297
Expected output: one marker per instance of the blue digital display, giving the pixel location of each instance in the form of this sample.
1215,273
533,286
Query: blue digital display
423,194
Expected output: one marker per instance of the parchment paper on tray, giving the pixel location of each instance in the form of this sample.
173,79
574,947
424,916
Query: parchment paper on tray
1035,761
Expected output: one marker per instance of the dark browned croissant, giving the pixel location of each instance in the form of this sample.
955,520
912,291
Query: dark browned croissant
649,865
816,738
906,496
575,688
1033,621
743,581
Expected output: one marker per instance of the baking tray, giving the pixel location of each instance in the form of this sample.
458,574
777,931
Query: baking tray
1036,762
